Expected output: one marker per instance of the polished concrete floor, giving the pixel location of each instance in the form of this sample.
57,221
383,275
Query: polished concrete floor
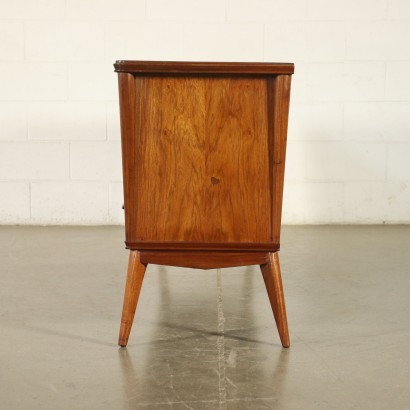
205,339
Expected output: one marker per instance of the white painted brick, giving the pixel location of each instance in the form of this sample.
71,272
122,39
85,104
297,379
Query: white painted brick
343,161
64,41
69,202
315,121
26,9
116,213
15,202
299,81
106,9
33,161
349,129
282,45
312,202
398,81
312,42
380,121
33,81
13,121
378,41
92,81
186,10
113,121
365,202
295,161
67,121
398,162
398,202
265,10
139,41
11,40
96,161
377,202
345,82
399,9
229,42
347,9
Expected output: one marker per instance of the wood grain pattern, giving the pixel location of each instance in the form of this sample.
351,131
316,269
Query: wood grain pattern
279,98
129,143
204,259
135,276
273,282
202,166
196,67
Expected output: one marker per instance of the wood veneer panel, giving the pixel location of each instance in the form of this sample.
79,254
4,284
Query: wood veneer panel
202,166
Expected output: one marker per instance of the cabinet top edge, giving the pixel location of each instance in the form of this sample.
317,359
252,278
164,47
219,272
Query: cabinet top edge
199,67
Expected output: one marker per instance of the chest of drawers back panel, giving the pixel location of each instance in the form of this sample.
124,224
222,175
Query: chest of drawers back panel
203,148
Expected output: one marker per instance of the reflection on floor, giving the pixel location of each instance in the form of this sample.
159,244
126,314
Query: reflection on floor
205,339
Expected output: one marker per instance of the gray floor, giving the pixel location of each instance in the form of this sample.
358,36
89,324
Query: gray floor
205,339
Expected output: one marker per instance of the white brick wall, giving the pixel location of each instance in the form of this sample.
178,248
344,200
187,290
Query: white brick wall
13,121
64,41
398,81
93,161
67,202
347,9
27,161
26,9
349,131
15,202
33,81
67,120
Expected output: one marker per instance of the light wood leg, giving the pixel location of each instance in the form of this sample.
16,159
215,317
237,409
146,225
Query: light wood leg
273,282
135,276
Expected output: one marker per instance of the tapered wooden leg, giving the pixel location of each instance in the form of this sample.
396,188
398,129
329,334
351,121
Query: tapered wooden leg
135,276
273,282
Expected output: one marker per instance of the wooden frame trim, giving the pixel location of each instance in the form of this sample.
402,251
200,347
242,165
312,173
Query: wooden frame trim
279,98
197,67
204,259
128,104
201,246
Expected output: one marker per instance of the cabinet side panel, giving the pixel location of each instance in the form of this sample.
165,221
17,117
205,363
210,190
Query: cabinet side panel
279,97
203,172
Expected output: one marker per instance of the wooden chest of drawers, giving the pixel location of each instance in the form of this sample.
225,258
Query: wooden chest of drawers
203,150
